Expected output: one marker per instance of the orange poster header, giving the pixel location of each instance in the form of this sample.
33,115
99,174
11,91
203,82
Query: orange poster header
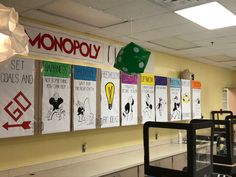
196,84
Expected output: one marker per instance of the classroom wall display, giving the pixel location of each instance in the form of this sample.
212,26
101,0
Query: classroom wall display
17,97
84,98
129,99
110,98
55,97
196,100
186,99
147,97
175,99
161,99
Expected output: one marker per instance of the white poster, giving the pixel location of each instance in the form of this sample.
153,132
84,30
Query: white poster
56,97
110,99
129,99
196,99
147,98
17,97
161,99
84,114
186,99
175,98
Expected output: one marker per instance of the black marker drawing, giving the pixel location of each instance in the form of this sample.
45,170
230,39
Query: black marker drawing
186,98
128,112
176,108
197,101
56,109
85,116
160,105
147,110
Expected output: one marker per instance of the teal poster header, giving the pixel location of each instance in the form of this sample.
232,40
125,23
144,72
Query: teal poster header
85,73
176,83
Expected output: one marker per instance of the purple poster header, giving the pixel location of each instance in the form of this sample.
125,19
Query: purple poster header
129,79
160,80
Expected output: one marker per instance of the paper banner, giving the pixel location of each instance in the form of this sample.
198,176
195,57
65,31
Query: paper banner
175,100
147,97
196,99
17,97
56,97
84,114
186,99
129,99
161,99
110,102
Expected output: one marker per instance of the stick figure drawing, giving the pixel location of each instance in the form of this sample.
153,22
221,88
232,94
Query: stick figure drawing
85,116
176,108
160,105
56,110
147,110
128,112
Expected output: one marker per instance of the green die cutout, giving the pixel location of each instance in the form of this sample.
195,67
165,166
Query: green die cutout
132,59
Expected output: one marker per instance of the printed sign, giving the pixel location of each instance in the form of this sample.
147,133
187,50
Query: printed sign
161,99
17,97
56,97
84,114
110,102
129,99
147,97
54,43
196,99
175,105
186,99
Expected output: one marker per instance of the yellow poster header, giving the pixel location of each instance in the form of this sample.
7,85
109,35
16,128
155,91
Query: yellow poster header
147,79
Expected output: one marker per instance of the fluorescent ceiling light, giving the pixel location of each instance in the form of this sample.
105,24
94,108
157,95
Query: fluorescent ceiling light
210,15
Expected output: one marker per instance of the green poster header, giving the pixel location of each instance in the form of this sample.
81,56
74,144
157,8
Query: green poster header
52,69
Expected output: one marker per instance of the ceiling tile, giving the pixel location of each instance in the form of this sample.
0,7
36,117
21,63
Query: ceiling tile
38,15
167,32
148,23
229,63
104,33
70,24
174,43
25,3
220,58
136,10
74,11
103,4
212,41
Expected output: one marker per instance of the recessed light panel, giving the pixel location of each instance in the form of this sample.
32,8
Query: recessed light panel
210,15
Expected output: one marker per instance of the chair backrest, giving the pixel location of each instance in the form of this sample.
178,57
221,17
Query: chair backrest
216,114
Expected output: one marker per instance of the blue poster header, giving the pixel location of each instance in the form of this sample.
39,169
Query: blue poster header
160,80
176,83
85,73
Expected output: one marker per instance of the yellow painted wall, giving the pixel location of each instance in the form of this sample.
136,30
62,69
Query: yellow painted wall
17,152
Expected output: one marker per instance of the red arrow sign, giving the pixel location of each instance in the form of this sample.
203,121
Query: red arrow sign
24,125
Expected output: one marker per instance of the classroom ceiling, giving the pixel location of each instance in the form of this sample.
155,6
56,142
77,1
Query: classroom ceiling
150,23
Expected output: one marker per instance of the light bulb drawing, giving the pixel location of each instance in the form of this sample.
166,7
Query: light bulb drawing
110,91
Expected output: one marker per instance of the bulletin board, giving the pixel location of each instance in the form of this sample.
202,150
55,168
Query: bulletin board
56,97
175,99
17,115
147,98
84,98
186,99
129,99
161,99
110,99
196,100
